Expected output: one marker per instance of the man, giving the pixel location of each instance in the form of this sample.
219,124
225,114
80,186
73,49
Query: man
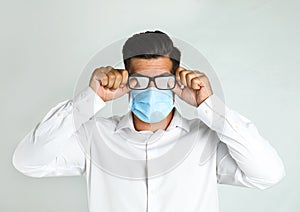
223,146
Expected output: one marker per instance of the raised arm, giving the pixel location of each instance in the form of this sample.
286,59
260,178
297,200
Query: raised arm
244,157
52,147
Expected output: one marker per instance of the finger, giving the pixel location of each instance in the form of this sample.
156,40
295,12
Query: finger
177,90
100,74
111,79
108,69
196,83
118,79
171,82
100,77
177,76
103,79
132,82
200,82
178,70
190,76
124,77
183,75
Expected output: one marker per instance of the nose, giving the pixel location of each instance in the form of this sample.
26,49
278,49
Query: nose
151,84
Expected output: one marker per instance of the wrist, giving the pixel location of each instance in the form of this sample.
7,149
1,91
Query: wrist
203,99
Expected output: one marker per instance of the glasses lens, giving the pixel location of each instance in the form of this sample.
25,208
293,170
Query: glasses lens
165,82
138,82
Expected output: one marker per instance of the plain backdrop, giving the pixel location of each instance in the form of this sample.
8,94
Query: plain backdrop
253,46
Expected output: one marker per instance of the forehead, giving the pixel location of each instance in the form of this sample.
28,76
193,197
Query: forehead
151,67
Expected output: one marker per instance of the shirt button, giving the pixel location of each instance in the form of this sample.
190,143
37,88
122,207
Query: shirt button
206,111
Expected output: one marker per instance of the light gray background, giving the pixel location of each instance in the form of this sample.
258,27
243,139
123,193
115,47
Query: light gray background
253,46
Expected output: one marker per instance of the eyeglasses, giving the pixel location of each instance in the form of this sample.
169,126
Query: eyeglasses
162,82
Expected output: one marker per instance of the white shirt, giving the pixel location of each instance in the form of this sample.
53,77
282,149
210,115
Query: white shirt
126,170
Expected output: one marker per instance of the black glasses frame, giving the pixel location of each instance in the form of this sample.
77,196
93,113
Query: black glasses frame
151,79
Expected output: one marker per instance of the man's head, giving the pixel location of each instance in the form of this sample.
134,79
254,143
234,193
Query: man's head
152,55
151,50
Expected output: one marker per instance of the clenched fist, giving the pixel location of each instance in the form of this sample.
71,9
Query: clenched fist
195,86
109,83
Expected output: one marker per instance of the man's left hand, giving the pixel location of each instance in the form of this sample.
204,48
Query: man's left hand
196,86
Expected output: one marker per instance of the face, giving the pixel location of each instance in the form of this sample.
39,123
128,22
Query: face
151,67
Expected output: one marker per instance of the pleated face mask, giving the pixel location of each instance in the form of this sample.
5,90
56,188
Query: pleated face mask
151,105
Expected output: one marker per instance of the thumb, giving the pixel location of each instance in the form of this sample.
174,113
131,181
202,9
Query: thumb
177,89
132,82
125,89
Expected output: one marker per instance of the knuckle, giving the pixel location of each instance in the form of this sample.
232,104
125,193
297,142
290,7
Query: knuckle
189,76
184,71
104,78
105,70
112,76
97,72
180,69
182,74
202,77
196,79
124,73
101,69
95,77
97,69
118,76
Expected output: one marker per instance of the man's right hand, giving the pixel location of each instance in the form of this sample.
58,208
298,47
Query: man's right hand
109,83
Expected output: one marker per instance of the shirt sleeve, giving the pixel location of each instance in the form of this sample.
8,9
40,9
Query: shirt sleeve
52,147
244,157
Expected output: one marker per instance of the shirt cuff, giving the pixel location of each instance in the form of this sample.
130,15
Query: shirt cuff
213,112
87,102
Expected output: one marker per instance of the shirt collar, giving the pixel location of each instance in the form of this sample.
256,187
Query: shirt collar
126,121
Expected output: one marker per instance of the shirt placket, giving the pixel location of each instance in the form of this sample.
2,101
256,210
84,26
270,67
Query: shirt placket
152,202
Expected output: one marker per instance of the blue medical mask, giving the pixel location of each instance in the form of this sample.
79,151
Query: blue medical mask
151,105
